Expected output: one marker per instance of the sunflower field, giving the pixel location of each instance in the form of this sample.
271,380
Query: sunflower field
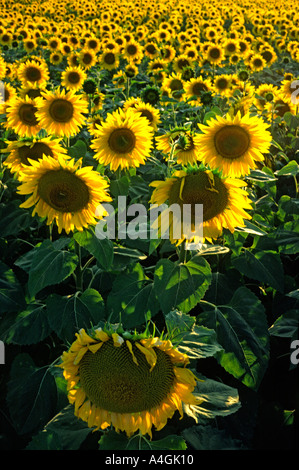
123,332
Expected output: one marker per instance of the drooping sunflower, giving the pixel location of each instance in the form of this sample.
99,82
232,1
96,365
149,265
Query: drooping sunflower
233,144
73,78
20,151
61,113
223,201
185,150
22,117
130,382
33,73
63,192
124,140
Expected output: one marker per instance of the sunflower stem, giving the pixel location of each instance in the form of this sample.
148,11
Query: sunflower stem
78,271
183,252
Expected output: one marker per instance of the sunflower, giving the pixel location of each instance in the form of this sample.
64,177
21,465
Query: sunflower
133,51
233,143
280,105
73,78
87,58
222,84
33,73
63,192
257,63
261,93
181,62
109,60
22,117
20,151
223,201
175,84
61,113
148,111
130,382
124,140
195,88
214,54
185,149
56,57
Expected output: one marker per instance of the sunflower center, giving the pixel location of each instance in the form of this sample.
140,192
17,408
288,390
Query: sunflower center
122,140
214,53
222,83
231,141
63,191
146,113
115,383
27,114
175,84
131,49
200,188
198,88
74,77
109,58
61,110
33,74
37,151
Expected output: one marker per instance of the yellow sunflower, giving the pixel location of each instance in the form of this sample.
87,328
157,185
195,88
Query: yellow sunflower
130,382
195,87
32,72
175,84
233,144
63,192
73,78
148,111
7,94
214,54
61,113
21,115
20,151
223,200
124,140
109,60
87,58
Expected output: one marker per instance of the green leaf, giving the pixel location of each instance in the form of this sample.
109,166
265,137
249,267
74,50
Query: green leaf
11,293
13,219
217,399
67,315
132,299
102,250
30,326
120,187
197,342
242,331
263,266
64,432
116,441
290,169
210,438
78,150
31,396
286,326
181,285
50,266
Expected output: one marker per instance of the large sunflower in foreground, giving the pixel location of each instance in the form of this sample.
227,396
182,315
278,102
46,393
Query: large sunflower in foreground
224,203
124,140
63,192
233,144
128,381
61,113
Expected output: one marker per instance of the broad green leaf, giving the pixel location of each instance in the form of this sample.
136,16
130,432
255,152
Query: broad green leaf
195,341
31,396
286,326
242,331
64,432
120,187
290,169
263,266
78,150
68,314
217,399
30,326
11,293
181,285
210,438
13,219
132,299
102,250
50,266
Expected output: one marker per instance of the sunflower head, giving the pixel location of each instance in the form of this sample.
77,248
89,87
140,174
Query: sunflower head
128,380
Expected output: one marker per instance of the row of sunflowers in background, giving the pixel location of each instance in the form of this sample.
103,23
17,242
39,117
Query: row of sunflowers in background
143,341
